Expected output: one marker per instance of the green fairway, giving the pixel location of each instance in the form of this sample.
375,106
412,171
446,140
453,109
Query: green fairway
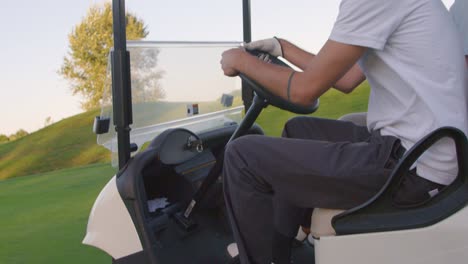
43,217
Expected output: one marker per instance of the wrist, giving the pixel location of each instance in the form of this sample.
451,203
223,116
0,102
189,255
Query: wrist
241,60
281,45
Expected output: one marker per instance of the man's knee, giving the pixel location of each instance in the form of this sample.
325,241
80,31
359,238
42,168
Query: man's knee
295,125
234,154
293,122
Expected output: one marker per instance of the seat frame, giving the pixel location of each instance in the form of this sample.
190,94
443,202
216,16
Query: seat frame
379,214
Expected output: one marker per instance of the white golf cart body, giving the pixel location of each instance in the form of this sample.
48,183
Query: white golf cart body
110,226
443,242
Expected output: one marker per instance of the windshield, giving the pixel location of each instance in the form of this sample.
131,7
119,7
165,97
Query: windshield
175,84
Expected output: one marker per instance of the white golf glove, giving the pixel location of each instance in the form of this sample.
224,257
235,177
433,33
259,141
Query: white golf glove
271,45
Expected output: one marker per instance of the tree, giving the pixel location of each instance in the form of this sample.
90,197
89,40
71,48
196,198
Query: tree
146,75
90,41
19,134
48,121
4,138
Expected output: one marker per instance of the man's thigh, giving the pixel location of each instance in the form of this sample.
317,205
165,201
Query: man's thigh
304,127
313,173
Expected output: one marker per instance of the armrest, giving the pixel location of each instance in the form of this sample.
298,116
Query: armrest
379,215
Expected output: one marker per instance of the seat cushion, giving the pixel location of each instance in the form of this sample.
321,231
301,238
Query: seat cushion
321,222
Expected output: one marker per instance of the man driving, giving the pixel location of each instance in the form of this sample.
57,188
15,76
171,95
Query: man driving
411,54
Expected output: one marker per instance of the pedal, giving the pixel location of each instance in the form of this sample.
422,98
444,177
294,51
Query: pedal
188,224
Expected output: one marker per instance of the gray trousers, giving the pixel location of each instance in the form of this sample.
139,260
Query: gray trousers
318,163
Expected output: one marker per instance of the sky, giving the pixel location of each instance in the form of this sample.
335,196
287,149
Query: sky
35,40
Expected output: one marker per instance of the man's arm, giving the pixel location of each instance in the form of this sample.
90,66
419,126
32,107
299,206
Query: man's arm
301,58
294,54
319,74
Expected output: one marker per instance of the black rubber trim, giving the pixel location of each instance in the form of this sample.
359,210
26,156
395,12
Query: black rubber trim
135,258
131,186
272,99
131,189
379,215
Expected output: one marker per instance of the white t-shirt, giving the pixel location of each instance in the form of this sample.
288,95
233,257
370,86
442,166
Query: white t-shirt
459,11
416,69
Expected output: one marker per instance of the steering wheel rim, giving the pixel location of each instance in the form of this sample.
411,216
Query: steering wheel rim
272,99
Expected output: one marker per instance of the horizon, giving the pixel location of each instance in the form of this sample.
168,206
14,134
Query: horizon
35,45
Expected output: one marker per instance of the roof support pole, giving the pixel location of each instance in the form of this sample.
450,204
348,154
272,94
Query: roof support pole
247,92
121,86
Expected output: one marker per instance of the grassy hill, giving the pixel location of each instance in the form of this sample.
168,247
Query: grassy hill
65,144
71,142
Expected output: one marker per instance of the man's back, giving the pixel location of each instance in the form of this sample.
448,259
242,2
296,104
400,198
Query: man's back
459,11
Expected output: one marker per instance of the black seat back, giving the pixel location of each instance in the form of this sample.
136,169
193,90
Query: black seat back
379,214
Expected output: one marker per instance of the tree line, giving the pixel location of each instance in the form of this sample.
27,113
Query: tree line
18,134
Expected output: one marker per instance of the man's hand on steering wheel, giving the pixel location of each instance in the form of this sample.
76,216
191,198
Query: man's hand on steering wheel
231,60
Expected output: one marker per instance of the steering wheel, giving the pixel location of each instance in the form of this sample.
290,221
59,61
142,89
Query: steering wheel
274,99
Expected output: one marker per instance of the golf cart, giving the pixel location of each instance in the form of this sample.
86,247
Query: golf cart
165,205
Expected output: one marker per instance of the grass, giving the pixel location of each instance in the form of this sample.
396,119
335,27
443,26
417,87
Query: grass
333,104
43,217
65,144
71,142
149,113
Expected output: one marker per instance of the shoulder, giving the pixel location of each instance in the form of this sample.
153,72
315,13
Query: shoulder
379,10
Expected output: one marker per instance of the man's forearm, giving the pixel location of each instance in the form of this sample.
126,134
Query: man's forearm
301,58
294,54
330,65
268,75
